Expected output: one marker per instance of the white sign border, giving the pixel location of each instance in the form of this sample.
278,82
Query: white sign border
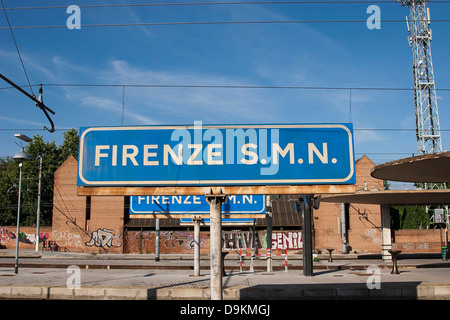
216,182
262,211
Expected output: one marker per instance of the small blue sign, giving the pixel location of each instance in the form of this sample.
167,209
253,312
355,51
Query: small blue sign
225,221
215,155
147,206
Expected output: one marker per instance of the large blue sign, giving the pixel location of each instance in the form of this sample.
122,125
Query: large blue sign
195,205
214,155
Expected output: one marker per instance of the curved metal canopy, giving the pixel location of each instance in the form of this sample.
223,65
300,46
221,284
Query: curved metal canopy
393,197
425,168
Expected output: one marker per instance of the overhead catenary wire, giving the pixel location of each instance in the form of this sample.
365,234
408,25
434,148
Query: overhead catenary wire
122,85
17,48
179,23
119,5
354,129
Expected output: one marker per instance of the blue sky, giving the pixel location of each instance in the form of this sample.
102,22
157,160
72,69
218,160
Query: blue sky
333,55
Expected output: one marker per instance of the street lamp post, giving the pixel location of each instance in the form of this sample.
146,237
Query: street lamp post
20,157
38,213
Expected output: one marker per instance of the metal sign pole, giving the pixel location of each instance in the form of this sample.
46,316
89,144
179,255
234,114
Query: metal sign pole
253,247
269,233
215,203
158,229
307,238
197,221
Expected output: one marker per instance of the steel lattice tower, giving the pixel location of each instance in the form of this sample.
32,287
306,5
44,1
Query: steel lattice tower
428,130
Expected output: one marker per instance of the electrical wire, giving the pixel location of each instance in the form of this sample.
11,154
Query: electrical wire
226,87
17,47
140,24
354,129
215,4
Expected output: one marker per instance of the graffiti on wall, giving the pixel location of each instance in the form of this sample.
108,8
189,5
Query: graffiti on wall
170,241
290,240
3,235
28,238
104,238
179,241
66,238
235,240
173,239
371,235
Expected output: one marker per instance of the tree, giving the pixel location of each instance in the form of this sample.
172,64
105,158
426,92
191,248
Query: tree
409,217
9,173
52,157
416,217
70,145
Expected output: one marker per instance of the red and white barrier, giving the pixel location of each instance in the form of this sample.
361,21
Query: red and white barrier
268,255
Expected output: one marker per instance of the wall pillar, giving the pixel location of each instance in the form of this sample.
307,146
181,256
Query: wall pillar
386,242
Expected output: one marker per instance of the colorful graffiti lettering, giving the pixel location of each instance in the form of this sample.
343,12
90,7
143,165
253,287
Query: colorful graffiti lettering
3,235
28,238
234,240
287,240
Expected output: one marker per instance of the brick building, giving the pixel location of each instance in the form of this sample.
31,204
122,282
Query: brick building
102,224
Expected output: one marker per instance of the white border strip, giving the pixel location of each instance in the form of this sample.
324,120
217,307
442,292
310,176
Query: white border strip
215,182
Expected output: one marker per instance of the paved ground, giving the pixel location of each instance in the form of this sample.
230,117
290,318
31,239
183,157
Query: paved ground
79,276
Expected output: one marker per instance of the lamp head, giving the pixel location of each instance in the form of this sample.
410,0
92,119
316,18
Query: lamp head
21,156
23,137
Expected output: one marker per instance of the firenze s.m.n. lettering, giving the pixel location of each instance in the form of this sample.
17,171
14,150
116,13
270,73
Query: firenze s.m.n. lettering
198,154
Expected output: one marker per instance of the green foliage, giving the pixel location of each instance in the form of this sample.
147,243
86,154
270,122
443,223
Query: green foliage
70,145
52,157
409,217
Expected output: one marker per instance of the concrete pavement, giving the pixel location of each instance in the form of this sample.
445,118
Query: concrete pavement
70,276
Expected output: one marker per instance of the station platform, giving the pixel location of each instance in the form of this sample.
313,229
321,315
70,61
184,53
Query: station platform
54,276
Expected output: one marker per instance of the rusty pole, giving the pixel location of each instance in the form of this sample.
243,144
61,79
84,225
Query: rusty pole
215,202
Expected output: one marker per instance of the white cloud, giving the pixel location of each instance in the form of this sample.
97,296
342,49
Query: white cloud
20,121
364,136
116,108
211,105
